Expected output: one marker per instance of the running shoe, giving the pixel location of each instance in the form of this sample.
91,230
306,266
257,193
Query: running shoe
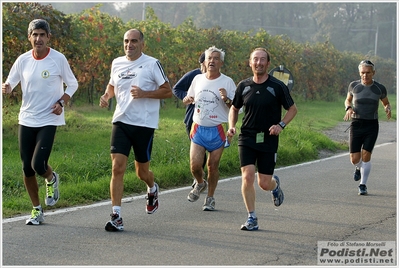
195,193
206,186
115,224
277,194
52,192
362,189
250,225
209,204
152,201
36,217
195,181
356,175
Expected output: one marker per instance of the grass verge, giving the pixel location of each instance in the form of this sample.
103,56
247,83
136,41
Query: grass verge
81,152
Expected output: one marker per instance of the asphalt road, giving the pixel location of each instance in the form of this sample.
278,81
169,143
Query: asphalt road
321,204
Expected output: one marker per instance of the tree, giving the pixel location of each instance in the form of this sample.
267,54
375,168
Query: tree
97,39
345,25
359,27
91,39
16,18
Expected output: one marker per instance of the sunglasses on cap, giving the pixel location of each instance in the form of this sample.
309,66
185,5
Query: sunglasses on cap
366,62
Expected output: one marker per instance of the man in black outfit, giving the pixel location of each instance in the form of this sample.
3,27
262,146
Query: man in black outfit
263,97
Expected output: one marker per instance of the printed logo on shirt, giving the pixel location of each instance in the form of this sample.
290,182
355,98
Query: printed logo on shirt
246,89
271,90
127,75
206,103
45,74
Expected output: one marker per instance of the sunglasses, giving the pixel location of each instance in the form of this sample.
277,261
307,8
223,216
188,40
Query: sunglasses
366,62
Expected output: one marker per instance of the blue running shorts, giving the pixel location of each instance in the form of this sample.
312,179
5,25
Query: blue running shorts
211,138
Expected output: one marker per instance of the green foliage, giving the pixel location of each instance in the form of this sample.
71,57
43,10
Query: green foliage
92,39
16,18
95,47
81,152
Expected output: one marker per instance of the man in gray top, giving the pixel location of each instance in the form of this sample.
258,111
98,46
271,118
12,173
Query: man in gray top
361,106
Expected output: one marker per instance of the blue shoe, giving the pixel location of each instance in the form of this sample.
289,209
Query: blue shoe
356,175
362,189
277,194
250,225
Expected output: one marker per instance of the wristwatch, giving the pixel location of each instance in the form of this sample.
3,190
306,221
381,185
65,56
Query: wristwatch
61,102
228,101
347,108
282,124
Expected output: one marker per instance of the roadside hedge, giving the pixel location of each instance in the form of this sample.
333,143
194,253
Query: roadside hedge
92,39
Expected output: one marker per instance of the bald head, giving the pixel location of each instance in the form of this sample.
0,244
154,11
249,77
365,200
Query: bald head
133,44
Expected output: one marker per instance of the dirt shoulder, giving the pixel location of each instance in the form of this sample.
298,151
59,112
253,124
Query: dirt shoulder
340,133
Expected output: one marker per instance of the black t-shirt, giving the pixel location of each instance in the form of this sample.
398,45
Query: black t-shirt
262,109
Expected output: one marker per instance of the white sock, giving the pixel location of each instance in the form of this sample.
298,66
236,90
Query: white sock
359,165
116,210
39,207
365,172
152,189
52,179
252,214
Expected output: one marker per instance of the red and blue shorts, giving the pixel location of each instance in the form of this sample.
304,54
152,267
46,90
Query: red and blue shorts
211,138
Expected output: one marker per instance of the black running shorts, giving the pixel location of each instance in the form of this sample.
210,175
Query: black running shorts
125,136
264,161
363,135
35,145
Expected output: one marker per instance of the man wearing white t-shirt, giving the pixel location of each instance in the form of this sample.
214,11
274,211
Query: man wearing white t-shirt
138,82
211,93
42,73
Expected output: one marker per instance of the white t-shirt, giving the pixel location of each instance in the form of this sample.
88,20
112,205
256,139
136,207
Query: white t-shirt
42,84
147,73
210,109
